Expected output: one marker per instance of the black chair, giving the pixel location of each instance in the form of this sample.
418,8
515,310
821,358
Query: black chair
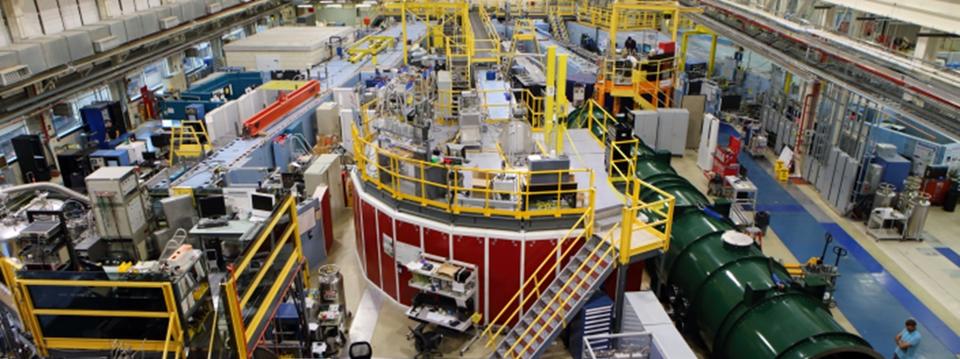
427,343
361,350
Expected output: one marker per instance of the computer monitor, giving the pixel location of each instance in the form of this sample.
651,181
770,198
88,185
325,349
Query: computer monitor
262,204
212,206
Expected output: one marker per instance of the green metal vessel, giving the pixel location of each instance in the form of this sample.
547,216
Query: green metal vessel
741,303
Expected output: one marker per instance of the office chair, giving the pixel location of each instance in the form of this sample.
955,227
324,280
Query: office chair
426,343
361,350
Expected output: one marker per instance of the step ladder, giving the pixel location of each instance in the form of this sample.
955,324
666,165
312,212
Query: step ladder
557,29
189,140
559,303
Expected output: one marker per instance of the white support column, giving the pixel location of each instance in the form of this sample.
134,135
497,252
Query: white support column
927,46
13,11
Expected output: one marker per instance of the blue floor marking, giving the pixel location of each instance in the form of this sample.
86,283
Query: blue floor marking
873,300
950,254
780,208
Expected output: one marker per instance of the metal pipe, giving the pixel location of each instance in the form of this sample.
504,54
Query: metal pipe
48,186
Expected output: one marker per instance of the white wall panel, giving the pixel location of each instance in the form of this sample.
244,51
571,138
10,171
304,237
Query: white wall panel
155,3
89,11
141,5
30,20
4,34
128,7
113,8
50,16
70,12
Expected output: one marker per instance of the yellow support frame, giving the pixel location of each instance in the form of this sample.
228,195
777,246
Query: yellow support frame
370,45
243,333
684,44
363,145
173,343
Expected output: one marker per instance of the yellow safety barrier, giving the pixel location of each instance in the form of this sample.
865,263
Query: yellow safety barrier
651,89
537,279
370,45
245,317
171,343
562,298
659,213
404,178
659,222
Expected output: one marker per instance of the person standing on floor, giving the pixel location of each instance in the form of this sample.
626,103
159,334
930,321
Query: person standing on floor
907,341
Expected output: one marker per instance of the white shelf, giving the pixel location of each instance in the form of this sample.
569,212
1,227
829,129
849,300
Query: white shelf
460,297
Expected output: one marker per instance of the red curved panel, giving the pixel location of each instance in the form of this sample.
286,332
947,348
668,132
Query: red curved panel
371,243
505,279
410,234
436,242
388,265
471,250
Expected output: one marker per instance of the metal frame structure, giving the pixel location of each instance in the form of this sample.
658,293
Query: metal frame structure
174,338
39,91
246,335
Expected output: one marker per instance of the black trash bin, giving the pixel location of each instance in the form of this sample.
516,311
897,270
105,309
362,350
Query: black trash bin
953,195
762,220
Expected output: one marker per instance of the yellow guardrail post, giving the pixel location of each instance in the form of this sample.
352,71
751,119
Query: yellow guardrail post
550,95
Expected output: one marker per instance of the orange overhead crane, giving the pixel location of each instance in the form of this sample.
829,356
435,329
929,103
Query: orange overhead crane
281,107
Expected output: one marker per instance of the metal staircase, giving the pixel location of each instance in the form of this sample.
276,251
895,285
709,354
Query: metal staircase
558,29
583,274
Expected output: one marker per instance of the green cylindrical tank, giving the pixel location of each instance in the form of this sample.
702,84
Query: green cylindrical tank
741,303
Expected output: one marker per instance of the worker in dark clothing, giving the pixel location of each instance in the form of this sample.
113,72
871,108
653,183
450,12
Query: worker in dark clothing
630,45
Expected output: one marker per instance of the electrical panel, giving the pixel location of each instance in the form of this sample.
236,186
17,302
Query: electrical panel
32,158
119,206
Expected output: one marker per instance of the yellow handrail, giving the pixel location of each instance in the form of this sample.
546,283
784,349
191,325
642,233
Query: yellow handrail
386,163
538,278
566,299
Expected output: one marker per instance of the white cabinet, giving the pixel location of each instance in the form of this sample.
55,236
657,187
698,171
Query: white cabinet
672,130
645,126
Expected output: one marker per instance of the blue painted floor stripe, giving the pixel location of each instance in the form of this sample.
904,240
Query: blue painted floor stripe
950,254
779,208
873,300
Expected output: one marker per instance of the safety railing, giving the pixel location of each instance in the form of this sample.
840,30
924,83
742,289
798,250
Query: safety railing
458,189
407,179
563,299
536,282
447,106
43,302
534,106
648,82
601,17
253,292
598,126
658,224
659,213
488,49
370,45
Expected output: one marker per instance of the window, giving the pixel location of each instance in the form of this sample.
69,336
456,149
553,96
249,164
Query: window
7,134
151,76
66,115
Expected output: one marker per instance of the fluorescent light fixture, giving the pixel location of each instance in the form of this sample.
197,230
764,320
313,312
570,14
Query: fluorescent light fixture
363,5
305,6
334,6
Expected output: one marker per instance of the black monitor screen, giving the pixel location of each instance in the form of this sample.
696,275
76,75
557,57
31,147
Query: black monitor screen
262,202
212,206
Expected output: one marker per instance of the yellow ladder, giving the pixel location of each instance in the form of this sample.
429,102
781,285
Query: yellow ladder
185,140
